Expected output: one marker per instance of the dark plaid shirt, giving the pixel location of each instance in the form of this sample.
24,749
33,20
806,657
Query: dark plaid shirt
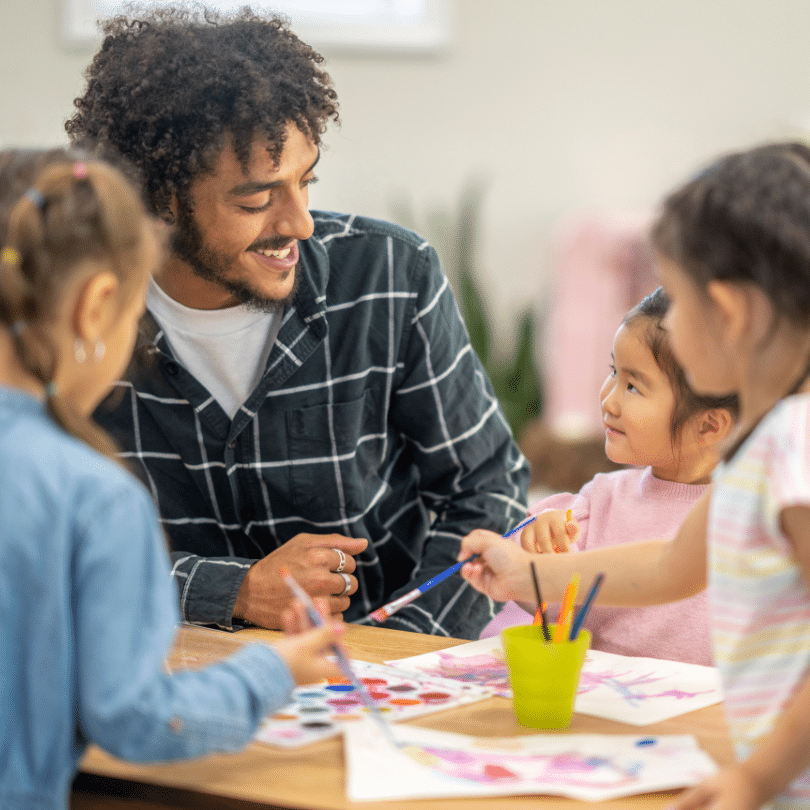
373,418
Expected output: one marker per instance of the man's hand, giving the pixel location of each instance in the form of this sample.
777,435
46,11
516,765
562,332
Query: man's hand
312,559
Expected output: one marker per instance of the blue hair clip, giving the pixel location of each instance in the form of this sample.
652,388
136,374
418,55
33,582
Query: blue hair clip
36,197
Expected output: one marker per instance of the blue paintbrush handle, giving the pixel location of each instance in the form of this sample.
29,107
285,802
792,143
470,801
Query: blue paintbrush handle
586,606
444,574
453,568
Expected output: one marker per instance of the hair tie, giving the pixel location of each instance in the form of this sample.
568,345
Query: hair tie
36,197
50,389
17,328
80,170
10,255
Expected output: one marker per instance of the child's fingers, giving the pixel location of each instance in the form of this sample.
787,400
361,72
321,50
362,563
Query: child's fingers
500,569
528,537
295,618
544,537
573,531
477,541
308,655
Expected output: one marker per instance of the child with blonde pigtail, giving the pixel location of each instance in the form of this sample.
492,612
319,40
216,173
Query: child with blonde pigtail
85,588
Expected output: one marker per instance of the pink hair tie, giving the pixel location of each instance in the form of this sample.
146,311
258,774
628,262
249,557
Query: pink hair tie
80,170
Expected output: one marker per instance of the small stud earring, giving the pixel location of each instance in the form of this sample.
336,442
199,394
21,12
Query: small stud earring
99,350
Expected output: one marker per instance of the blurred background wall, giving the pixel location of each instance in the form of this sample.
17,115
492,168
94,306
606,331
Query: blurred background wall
563,110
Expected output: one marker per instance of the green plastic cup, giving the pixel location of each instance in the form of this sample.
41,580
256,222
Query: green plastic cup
544,675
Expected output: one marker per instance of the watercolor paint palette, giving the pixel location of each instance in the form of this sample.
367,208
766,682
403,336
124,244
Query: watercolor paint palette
324,710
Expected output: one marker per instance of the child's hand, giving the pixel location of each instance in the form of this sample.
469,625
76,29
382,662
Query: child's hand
550,532
502,570
731,789
305,649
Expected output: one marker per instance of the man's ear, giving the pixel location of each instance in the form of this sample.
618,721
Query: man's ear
714,425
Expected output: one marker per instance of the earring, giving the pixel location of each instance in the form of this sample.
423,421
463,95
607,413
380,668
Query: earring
79,351
99,350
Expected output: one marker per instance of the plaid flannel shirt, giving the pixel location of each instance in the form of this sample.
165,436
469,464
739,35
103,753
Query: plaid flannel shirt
373,418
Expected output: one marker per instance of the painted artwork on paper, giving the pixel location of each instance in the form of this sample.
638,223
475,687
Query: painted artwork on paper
633,690
323,710
480,662
430,763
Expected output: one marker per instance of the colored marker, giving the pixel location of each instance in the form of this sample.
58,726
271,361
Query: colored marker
586,606
561,631
381,614
342,658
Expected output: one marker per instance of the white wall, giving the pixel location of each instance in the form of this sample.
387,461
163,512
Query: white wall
560,105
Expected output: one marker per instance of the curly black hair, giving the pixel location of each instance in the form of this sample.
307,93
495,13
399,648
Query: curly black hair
167,89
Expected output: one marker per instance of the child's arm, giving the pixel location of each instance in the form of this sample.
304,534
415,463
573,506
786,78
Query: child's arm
636,574
125,611
785,752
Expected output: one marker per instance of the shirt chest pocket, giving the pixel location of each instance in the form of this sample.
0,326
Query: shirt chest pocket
335,454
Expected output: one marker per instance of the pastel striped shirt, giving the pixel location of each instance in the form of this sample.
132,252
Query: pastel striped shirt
759,600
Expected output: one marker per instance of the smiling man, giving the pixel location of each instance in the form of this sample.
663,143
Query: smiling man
304,393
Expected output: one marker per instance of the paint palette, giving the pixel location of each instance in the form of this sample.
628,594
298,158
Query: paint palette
324,710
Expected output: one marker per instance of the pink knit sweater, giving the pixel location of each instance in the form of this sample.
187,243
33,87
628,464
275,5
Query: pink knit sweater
622,507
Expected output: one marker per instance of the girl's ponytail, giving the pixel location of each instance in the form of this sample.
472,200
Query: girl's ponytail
73,212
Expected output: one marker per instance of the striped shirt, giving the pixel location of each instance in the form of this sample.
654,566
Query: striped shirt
759,600
374,418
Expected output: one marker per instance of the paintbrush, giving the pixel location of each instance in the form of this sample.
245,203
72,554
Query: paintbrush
586,606
381,614
540,606
342,658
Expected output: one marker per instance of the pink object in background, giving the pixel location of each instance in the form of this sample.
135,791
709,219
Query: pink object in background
603,268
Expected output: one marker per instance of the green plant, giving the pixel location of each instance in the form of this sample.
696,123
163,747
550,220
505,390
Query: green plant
515,378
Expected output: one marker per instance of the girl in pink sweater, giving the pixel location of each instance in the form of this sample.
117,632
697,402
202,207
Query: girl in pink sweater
656,423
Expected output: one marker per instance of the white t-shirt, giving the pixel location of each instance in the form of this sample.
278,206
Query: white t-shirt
225,349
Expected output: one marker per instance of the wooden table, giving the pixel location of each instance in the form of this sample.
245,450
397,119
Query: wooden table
313,776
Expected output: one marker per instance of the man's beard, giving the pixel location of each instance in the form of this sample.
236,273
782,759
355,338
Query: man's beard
189,245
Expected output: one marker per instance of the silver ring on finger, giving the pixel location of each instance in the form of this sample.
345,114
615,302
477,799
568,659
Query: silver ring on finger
341,561
348,580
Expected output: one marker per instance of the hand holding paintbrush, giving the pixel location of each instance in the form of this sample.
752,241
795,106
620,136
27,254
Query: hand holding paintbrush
381,614
342,658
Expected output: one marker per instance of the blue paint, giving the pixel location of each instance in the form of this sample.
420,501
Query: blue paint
341,687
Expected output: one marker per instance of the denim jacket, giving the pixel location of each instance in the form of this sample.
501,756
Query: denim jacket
89,611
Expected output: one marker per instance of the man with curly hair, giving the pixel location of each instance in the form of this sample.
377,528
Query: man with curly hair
304,393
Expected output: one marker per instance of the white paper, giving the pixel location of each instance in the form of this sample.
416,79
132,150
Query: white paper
586,767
